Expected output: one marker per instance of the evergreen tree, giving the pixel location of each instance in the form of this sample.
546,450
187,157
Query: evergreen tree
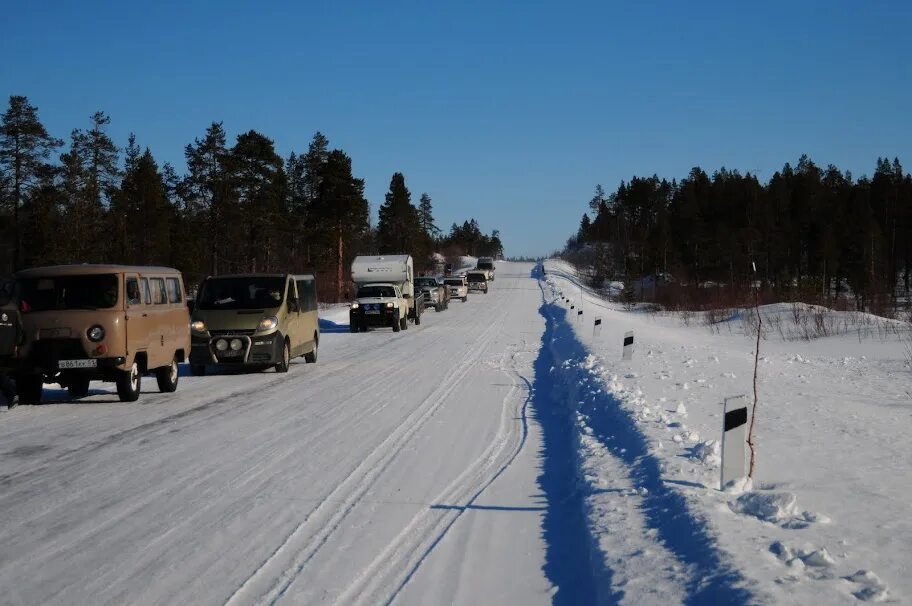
343,213
208,189
259,178
25,147
399,230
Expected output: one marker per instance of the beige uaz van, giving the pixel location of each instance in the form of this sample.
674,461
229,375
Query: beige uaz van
109,322
254,321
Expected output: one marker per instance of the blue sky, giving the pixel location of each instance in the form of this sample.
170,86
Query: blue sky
506,112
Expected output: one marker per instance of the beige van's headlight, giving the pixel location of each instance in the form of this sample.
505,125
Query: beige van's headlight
96,333
268,323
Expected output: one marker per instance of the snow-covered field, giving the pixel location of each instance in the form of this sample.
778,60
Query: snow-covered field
496,454
828,519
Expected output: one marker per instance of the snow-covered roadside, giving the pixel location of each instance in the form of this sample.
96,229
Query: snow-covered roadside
827,520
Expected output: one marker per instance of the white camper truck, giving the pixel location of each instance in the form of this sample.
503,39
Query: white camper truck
386,293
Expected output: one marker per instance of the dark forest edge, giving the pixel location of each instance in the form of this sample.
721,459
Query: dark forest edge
814,235
242,208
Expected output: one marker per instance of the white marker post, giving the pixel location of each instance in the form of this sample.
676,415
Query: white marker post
734,441
628,345
597,327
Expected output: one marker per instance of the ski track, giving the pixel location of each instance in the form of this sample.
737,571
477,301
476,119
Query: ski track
270,581
394,566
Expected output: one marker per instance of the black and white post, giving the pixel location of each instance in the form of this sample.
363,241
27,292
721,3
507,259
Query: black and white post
597,327
628,345
734,441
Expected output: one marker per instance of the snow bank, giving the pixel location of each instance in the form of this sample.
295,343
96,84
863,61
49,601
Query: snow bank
824,403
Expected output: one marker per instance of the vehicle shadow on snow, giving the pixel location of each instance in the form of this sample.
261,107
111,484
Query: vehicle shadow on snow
712,580
330,327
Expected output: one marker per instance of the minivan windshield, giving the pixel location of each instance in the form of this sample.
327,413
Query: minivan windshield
426,282
485,264
253,292
366,292
93,291
454,282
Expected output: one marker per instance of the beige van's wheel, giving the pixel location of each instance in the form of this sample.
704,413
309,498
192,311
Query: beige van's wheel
129,383
286,359
311,357
167,377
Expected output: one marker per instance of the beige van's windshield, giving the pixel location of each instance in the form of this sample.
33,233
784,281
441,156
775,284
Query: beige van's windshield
93,291
254,292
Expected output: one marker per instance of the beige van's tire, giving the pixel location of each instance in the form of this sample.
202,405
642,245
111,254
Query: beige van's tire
129,383
286,358
311,358
167,377
29,388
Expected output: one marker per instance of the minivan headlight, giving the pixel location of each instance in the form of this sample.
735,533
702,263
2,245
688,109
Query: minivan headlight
96,334
198,326
268,323
355,305
390,304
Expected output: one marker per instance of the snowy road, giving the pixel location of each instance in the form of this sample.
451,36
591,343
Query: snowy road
402,466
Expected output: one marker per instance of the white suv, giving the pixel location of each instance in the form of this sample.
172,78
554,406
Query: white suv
459,288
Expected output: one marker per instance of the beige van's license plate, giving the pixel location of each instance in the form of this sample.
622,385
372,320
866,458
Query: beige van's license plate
77,364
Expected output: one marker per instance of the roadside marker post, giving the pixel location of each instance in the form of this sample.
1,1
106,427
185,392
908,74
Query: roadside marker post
628,345
597,327
734,440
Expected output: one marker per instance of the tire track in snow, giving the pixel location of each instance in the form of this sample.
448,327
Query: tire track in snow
389,573
273,577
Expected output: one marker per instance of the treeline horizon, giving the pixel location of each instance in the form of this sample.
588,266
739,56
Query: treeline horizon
238,208
808,234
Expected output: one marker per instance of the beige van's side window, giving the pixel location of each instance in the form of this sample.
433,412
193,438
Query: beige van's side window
159,295
147,294
134,297
174,291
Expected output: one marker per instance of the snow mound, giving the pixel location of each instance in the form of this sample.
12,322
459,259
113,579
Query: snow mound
709,453
772,507
872,588
777,508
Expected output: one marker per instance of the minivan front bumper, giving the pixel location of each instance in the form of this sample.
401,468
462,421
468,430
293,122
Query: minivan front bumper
254,350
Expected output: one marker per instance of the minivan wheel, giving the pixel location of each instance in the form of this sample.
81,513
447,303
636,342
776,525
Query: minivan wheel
286,359
167,377
29,388
353,327
404,323
78,387
397,325
311,358
198,370
417,319
129,383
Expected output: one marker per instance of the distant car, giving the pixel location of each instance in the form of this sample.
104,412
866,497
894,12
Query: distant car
458,287
436,294
477,280
486,264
